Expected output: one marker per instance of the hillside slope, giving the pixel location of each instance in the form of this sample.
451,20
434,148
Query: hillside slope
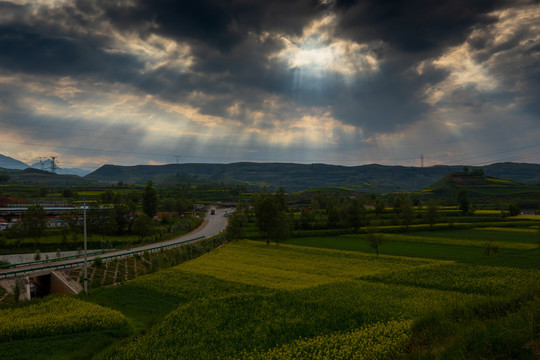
7,162
293,177
33,176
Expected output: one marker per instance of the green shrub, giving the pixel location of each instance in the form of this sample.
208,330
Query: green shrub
97,262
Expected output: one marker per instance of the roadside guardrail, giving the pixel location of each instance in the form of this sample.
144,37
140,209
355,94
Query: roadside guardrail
53,266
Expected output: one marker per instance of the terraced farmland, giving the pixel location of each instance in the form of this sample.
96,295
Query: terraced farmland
331,298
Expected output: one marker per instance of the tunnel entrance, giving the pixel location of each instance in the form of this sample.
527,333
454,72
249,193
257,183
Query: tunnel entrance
52,283
40,286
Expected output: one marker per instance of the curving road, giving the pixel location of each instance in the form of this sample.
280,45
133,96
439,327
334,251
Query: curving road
212,225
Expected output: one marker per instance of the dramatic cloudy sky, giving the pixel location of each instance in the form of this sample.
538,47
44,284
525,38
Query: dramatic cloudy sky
343,82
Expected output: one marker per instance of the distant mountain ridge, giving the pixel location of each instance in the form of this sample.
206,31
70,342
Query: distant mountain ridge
7,162
31,176
293,177
47,165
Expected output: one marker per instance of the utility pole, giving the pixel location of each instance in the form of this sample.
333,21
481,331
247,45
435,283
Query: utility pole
85,253
422,160
53,171
42,161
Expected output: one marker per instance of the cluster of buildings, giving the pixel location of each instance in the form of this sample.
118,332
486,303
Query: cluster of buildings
11,214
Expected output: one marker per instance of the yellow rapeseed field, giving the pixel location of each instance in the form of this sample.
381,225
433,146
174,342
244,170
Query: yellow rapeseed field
289,267
57,316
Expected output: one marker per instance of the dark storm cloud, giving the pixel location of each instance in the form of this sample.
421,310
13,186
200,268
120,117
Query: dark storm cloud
514,62
68,41
220,24
24,49
415,26
58,42
231,64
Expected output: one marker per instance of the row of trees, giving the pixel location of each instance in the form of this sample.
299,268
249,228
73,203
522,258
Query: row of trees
275,221
150,202
331,213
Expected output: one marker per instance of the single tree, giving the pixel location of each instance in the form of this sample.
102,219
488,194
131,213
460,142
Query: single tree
271,217
306,219
122,217
282,229
143,226
94,215
35,222
107,224
235,227
396,205
406,212
266,210
356,213
490,247
97,262
132,210
432,212
181,205
513,209
64,229
320,201
67,193
379,208
281,199
73,222
375,241
333,217
463,201
107,197
149,200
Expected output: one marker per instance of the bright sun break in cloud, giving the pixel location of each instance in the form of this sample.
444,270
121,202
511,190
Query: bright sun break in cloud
318,52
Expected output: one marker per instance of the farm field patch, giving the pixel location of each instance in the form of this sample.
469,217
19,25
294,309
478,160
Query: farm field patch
58,315
462,241
255,263
260,322
310,298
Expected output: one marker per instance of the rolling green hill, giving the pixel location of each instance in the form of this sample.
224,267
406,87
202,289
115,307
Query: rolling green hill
485,189
295,177
31,176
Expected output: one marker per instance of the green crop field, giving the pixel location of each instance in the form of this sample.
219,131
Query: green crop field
306,295
58,316
429,294
59,327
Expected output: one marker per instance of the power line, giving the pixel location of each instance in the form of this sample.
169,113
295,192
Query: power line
495,153
185,155
512,158
53,172
231,158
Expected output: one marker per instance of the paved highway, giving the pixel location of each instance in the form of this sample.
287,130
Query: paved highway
212,225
